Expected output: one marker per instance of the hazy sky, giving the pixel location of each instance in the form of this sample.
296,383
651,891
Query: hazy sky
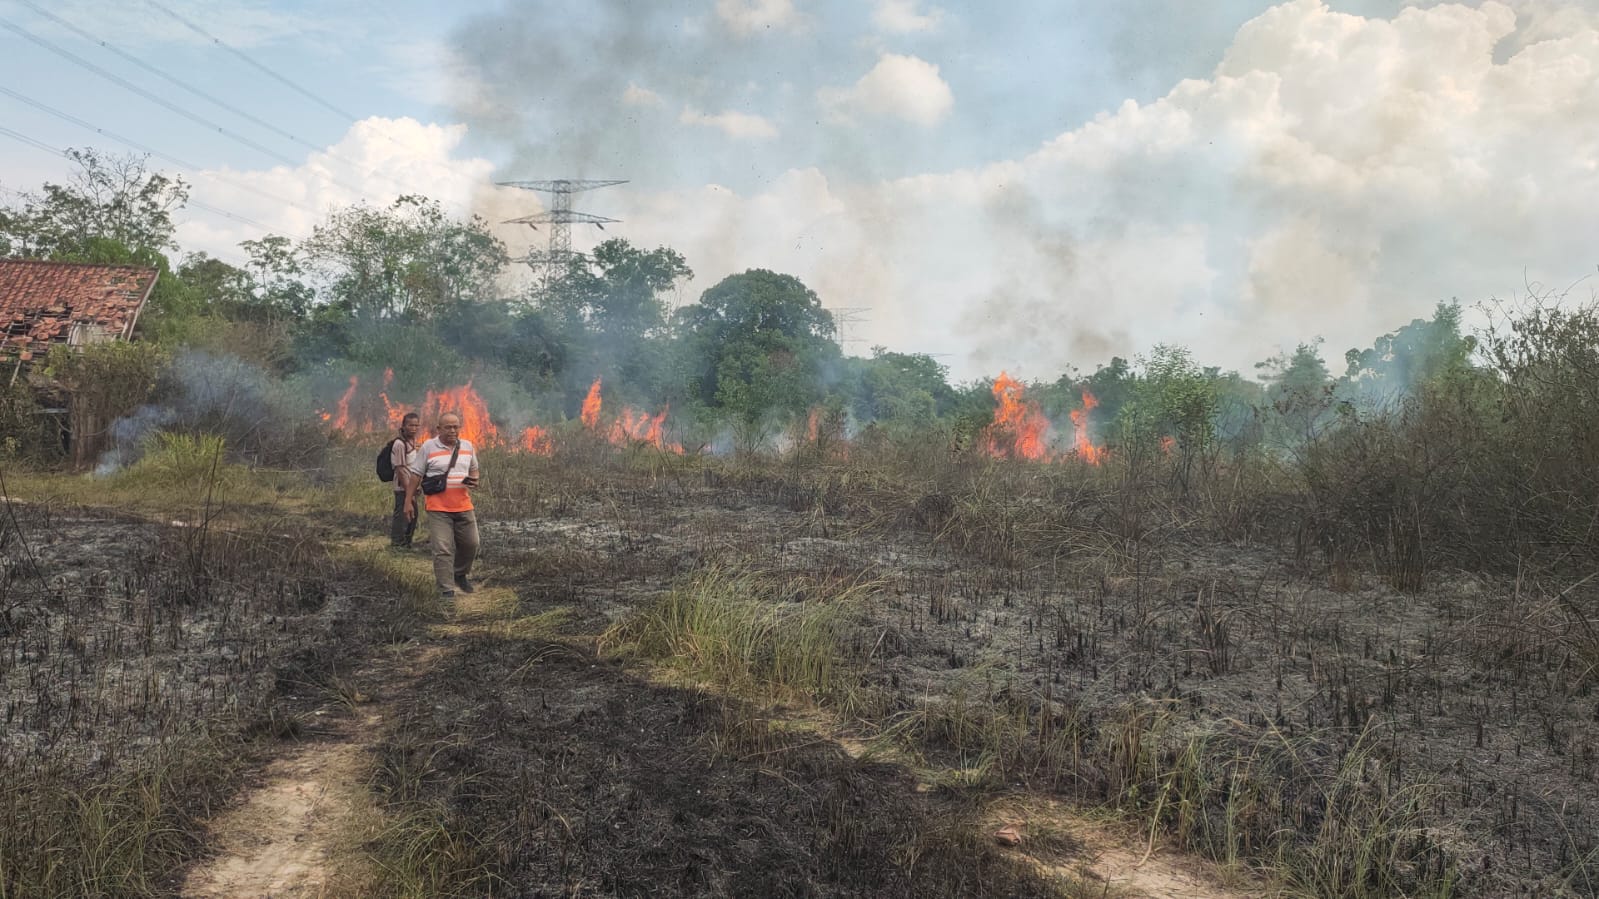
1023,185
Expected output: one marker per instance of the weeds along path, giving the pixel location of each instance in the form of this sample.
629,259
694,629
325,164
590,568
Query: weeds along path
281,840
300,828
499,752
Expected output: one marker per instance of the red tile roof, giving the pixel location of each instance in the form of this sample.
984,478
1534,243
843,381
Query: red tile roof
41,302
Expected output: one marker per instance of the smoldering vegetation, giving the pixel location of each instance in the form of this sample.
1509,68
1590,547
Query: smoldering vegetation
815,617
1313,718
144,669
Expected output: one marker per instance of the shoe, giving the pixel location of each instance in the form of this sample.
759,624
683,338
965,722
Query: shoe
446,594
464,584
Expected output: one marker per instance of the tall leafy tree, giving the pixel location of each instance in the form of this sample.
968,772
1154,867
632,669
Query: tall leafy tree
1398,363
909,389
1300,390
410,260
608,310
111,206
758,343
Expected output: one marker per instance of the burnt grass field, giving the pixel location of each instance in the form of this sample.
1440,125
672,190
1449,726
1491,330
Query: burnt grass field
146,666
989,631
825,675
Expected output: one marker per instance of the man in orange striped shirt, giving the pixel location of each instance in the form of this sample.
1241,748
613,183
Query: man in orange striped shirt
450,462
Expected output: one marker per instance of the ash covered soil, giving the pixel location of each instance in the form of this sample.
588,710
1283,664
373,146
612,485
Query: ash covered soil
147,670
1454,719
116,633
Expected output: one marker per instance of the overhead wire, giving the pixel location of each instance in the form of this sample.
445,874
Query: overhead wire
348,117
162,101
168,77
308,94
181,84
148,95
56,151
143,148
180,110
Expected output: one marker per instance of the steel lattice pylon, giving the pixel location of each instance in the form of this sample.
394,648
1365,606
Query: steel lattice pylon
553,262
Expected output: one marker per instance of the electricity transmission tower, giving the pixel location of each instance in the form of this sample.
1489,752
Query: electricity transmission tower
553,262
845,317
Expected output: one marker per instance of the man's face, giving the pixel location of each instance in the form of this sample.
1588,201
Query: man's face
410,427
449,429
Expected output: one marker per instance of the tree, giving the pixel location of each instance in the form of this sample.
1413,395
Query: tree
410,260
606,312
109,199
1173,399
759,344
617,292
277,270
1300,390
901,388
1396,364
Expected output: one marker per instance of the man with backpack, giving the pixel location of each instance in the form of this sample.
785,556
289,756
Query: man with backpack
395,464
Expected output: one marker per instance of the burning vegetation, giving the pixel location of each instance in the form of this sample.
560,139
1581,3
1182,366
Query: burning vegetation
762,613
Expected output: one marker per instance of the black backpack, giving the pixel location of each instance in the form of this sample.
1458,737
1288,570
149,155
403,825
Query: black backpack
386,461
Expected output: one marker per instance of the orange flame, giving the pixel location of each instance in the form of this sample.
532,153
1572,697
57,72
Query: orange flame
1019,430
813,425
1167,444
637,427
465,402
537,441
591,407
340,417
478,426
1081,443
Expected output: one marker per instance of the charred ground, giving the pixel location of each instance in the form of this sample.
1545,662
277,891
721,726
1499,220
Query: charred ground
821,676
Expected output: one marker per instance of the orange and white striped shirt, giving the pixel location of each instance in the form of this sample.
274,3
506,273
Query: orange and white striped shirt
432,459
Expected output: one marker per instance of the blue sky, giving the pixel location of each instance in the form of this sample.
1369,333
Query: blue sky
1027,186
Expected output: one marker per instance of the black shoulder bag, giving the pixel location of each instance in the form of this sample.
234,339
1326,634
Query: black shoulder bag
438,483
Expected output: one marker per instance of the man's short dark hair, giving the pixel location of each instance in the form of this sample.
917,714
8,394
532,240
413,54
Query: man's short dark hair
410,416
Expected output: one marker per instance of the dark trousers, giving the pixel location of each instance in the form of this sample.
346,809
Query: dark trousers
454,537
401,530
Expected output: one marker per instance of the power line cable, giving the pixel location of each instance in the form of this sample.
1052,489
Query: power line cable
162,101
168,77
210,98
56,151
134,88
312,96
127,141
349,117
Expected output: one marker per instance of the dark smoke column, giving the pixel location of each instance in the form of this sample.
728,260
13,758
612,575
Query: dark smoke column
551,263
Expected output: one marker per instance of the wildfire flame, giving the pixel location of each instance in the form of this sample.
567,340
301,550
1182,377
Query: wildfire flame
631,427
465,402
340,417
537,441
1019,430
591,407
1081,443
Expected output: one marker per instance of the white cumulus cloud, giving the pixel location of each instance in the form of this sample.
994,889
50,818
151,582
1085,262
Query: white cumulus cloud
904,17
1336,176
750,16
898,87
737,125
634,95
376,161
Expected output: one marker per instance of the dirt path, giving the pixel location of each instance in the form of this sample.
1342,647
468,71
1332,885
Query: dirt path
281,839
298,832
